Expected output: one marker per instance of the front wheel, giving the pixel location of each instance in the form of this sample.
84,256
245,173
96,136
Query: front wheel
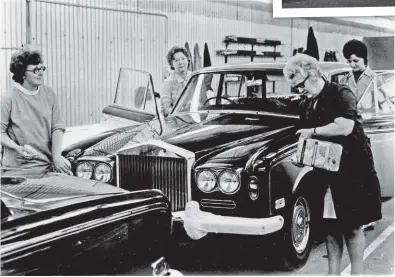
295,239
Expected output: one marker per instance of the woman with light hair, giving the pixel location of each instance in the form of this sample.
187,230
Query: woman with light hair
179,61
329,113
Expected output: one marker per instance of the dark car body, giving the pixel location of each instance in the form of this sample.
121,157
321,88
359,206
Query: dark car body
66,225
233,125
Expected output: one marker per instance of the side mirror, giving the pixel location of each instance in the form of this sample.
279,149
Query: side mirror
156,94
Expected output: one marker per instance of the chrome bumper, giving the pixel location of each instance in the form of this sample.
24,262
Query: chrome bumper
198,224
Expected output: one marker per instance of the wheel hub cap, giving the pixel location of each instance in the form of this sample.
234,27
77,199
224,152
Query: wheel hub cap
300,225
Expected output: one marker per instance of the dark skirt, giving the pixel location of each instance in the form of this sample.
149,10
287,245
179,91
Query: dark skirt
356,190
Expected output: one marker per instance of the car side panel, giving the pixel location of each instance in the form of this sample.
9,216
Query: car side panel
92,237
382,145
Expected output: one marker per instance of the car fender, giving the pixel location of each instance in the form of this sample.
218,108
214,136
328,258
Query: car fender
285,178
302,173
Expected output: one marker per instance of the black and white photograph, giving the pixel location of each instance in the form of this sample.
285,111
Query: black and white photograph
182,137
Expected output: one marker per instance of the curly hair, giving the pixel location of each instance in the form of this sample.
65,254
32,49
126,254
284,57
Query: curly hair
303,65
356,47
25,56
174,50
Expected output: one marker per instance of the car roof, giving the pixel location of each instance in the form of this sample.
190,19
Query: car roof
325,66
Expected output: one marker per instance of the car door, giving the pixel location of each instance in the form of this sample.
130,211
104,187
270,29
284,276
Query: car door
134,100
377,109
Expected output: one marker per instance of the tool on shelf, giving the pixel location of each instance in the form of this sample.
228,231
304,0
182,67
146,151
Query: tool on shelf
251,53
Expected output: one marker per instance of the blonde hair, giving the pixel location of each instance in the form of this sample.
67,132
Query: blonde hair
303,65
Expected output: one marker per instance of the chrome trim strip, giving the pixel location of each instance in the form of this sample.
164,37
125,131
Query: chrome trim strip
103,159
254,157
379,131
301,174
249,112
216,204
287,153
26,244
282,149
376,101
117,170
178,150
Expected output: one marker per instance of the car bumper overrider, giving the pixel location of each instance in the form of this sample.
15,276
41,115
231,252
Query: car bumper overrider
198,224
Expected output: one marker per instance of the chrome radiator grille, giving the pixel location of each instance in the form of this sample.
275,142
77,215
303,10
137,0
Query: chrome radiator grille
146,172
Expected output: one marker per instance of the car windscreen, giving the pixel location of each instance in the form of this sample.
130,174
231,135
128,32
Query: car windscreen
249,90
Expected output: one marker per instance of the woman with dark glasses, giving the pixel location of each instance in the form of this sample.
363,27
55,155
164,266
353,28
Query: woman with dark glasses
329,113
31,125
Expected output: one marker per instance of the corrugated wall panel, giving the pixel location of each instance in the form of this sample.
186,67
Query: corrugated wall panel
85,47
12,36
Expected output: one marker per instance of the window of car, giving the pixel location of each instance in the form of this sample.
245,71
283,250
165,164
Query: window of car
378,98
386,95
338,77
245,90
366,105
276,84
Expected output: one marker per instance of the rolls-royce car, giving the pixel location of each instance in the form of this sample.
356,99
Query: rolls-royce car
223,155
61,225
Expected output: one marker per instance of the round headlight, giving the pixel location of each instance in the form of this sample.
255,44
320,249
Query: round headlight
229,182
206,180
84,170
102,172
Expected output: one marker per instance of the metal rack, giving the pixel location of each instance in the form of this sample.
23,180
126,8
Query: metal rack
251,53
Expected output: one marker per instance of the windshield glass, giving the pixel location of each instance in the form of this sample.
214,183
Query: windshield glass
249,90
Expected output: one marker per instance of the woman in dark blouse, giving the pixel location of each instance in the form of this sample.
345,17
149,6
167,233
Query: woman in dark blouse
329,112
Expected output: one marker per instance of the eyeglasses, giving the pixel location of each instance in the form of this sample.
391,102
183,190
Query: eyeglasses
180,60
301,85
38,69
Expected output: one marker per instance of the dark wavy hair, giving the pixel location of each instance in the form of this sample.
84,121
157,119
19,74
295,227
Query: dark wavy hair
21,59
176,49
356,47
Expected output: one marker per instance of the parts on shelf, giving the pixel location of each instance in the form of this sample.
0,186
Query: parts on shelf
270,54
251,53
255,41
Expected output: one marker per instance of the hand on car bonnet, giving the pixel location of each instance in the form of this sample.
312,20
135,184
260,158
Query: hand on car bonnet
61,165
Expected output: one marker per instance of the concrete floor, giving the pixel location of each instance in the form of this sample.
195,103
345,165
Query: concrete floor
234,257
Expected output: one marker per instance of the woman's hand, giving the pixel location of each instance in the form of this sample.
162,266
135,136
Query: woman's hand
305,133
60,165
25,152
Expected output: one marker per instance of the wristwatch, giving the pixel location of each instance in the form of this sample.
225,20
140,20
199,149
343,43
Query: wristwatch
315,132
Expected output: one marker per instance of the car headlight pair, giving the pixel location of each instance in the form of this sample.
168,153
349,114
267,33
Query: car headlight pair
226,181
99,171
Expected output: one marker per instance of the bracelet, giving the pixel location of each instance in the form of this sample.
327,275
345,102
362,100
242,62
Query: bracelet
315,132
